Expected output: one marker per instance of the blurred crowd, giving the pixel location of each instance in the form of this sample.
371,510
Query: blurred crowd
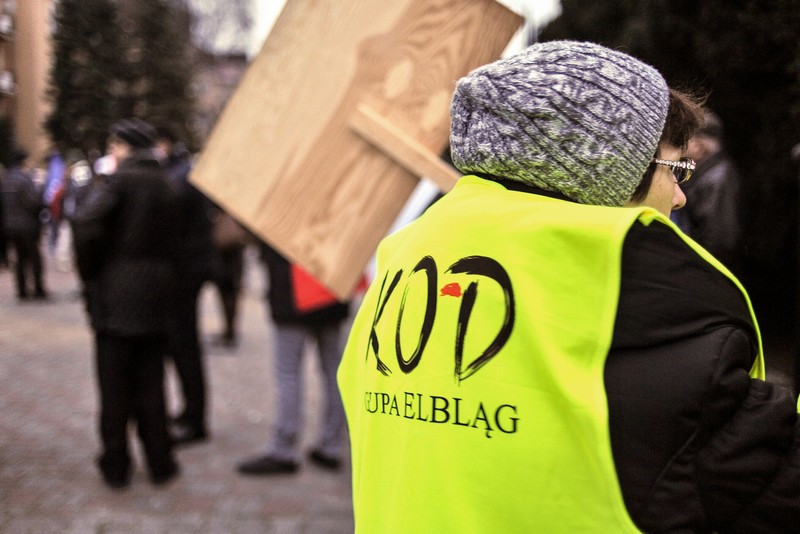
144,241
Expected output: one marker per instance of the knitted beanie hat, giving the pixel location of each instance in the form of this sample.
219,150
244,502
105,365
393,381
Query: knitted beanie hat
570,117
135,132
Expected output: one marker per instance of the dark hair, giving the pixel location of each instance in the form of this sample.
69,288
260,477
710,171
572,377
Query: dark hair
19,156
684,118
166,132
135,132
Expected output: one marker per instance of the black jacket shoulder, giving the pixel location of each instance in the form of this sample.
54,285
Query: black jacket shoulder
698,444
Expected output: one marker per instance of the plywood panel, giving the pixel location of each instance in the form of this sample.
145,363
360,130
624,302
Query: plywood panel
315,151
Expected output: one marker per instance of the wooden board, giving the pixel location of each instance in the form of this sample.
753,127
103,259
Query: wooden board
347,103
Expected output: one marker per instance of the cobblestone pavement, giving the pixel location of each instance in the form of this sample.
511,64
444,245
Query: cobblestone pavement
48,436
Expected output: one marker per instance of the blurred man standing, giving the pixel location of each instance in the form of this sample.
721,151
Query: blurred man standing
195,266
22,203
124,238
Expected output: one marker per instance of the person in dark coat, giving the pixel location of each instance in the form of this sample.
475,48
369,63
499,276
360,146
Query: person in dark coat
195,256
22,204
230,242
125,242
711,215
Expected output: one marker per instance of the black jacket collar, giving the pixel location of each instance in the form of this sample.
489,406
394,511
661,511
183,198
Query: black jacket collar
513,185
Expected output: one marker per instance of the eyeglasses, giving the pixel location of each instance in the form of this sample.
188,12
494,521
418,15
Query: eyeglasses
681,169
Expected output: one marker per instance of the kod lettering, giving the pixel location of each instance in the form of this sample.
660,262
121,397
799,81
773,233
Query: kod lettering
480,267
428,407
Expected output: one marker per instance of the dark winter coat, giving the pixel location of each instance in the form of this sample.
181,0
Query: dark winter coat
22,203
698,444
281,295
125,242
195,248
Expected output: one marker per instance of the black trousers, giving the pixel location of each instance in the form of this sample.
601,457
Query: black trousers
186,353
228,270
29,263
130,374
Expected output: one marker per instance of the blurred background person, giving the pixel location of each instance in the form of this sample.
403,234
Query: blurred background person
80,177
795,156
22,206
230,242
302,311
75,174
55,182
3,247
77,186
125,240
711,215
195,256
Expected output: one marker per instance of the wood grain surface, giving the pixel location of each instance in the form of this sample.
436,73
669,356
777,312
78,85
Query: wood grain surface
347,103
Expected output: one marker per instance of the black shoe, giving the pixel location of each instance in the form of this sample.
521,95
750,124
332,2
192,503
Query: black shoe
323,460
116,472
183,434
266,465
116,482
162,476
41,294
225,340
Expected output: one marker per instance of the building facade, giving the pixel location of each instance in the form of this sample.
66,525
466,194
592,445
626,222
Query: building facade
24,64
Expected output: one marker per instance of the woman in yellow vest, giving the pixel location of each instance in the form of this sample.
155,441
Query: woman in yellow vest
543,350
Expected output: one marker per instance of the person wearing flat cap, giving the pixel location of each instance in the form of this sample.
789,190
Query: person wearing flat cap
125,245
543,350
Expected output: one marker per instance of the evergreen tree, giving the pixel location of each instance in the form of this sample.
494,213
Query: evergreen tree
115,59
160,64
86,74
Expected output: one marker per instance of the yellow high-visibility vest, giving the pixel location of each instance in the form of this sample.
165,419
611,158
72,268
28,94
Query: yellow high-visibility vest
473,375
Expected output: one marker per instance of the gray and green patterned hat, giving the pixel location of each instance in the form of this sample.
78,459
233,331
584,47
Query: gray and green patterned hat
571,117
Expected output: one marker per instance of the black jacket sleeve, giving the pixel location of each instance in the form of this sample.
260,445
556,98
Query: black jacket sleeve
91,229
698,444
